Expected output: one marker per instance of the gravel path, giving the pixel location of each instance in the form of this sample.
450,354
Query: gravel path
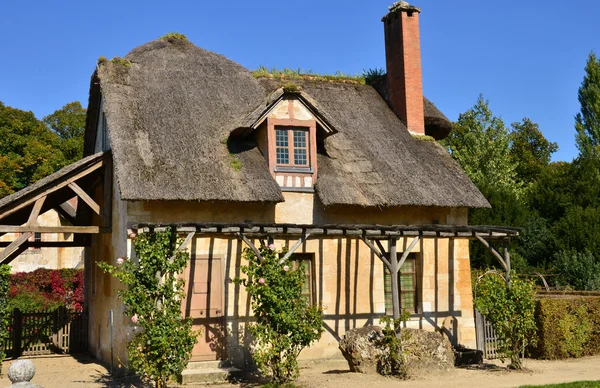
67,372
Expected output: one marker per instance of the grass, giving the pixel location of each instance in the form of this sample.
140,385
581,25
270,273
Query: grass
292,74
577,384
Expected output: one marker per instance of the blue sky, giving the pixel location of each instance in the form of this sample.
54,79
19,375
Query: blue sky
526,57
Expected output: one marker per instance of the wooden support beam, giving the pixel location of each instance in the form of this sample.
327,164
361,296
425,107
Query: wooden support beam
47,244
294,247
507,261
381,248
14,246
51,229
58,186
35,212
67,211
107,191
183,245
85,197
377,252
394,272
250,245
493,251
406,253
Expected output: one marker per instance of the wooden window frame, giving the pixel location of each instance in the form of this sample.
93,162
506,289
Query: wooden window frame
416,309
291,147
294,260
311,147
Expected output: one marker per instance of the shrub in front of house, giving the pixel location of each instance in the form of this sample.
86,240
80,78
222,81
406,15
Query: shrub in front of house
4,312
163,340
567,327
511,312
286,323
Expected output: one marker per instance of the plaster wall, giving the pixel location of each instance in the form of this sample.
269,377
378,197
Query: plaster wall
348,278
50,258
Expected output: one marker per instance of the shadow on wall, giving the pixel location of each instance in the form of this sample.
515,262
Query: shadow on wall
346,286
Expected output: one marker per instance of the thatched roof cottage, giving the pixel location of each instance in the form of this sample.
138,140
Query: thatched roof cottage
343,173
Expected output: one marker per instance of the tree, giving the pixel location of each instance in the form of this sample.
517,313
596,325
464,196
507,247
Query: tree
480,143
530,151
29,150
69,123
587,121
153,295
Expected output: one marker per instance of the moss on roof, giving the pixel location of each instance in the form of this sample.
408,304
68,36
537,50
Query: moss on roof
307,75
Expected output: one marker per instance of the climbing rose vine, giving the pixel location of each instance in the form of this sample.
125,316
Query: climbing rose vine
153,294
285,321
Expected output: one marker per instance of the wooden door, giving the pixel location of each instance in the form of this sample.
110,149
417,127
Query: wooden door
204,304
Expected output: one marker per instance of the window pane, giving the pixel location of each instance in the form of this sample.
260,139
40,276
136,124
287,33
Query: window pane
407,300
281,138
300,139
300,157
407,282
408,266
283,156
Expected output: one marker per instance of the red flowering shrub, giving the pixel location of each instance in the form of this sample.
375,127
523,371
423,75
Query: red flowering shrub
46,289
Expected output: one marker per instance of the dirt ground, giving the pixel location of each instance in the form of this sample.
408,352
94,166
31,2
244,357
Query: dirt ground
66,372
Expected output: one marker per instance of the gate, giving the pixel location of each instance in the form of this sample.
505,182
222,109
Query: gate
487,341
43,332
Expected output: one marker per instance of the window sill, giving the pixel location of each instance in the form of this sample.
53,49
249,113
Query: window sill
306,170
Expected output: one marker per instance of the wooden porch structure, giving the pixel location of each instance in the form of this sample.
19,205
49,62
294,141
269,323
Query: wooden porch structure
89,180
374,236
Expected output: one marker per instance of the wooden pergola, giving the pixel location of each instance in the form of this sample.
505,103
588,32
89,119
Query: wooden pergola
84,179
372,235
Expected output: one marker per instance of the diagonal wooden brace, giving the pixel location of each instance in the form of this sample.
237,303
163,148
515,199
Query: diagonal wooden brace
294,247
377,252
14,246
407,252
251,246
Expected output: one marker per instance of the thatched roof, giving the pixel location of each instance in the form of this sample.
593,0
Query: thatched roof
172,107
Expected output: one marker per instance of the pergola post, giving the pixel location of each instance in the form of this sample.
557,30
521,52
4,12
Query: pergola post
394,275
504,261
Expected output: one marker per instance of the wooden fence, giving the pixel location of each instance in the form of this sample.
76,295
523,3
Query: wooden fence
38,333
487,341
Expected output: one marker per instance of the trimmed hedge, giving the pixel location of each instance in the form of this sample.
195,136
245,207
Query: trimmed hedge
567,327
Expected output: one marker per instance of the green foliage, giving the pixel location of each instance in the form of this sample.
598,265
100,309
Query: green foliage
567,327
4,309
30,150
292,74
374,76
173,35
511,312
576,384
69,123
291,87
235,163
102,59
480,143
121,61
578,270
285,321
393,359
587,121
530,151
153,294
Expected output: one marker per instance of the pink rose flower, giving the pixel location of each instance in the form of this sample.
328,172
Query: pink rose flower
134,318
120,261
272,247
261,281
132,235
286,268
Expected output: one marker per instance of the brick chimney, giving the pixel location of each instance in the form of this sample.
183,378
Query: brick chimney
403,65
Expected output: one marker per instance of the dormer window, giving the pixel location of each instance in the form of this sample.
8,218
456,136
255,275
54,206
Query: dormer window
291,146
286,134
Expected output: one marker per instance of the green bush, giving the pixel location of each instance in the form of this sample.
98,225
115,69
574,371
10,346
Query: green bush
511,313
4,311
285,321
153,294
567,327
